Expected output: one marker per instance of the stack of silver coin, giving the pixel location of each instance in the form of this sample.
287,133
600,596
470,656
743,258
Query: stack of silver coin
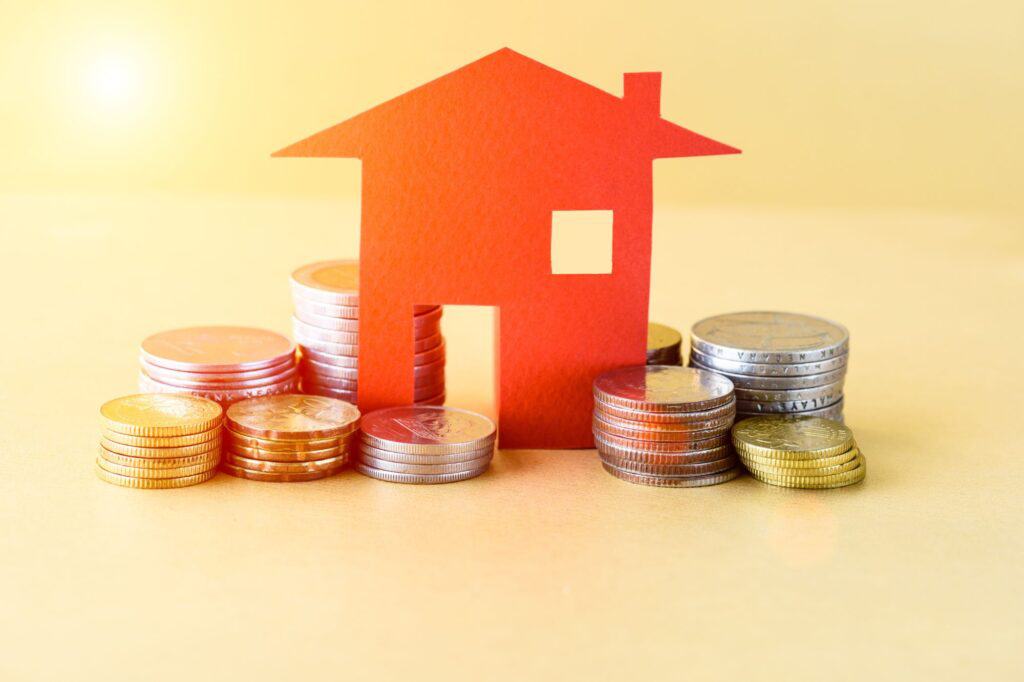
326,326
664,345
780,363
665,426
425,444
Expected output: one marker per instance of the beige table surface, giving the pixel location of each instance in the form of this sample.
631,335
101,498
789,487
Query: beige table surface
545,567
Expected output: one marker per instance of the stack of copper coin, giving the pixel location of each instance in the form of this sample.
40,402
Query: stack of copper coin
665,426
425,444
224,364
291,437
159,441
664,345
326,325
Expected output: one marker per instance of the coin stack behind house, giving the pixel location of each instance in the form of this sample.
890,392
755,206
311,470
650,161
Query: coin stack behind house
159,441
797,451
289,437
779,362
326,325
663,345
425,444
665,426
224,364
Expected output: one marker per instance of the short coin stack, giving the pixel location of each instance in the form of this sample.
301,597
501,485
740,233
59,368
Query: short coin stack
665,426
326,325
224,364
663,345
425,444
159,441
779,362
796,451
285,438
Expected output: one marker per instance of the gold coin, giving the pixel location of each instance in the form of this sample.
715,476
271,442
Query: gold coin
835,480
137,452
160,415
162,442
135,472
790,436
772,470
211,457
801,464
153,483
286,467
661,337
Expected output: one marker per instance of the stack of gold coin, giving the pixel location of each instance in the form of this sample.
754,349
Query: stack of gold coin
780,363
326,325
224,364
425,444
663,345
797,451
665,426
159,441
290,437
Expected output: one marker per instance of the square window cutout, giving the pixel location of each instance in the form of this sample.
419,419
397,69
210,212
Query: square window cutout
581,242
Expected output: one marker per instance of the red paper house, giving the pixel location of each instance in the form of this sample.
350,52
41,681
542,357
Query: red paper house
461,177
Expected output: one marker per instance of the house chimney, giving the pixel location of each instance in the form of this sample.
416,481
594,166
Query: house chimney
642,92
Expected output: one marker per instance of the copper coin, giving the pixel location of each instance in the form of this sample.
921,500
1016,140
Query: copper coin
217,349
614,411
302,467
288,373
271,477
601,426
293,417
437,400
675,469
313,388
279,456
663,447
673,481
640,454
175,375
721,423
661,388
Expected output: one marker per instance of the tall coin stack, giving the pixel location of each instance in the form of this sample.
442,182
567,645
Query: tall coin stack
285,438
425,444
663,345
224,364
159,441
779,362
796,451
665,426
326,325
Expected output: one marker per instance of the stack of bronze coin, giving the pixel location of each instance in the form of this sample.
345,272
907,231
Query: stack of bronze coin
159,441
780,363
797,451
224,364
326,325
663,345
665,426
285,438
425,444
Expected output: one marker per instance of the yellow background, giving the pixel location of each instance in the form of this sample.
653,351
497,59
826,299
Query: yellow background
879,187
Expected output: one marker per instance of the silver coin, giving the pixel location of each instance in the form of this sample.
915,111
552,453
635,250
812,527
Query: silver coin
637,449
769,338
403,458
328,347
427,430
771,370
825,393
673,481
834,411
641,454
726,410
302,302
416,479
341,324
328,358
723,421
674,469
644,435
432,469
786,406
307,332
776,383
660,388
